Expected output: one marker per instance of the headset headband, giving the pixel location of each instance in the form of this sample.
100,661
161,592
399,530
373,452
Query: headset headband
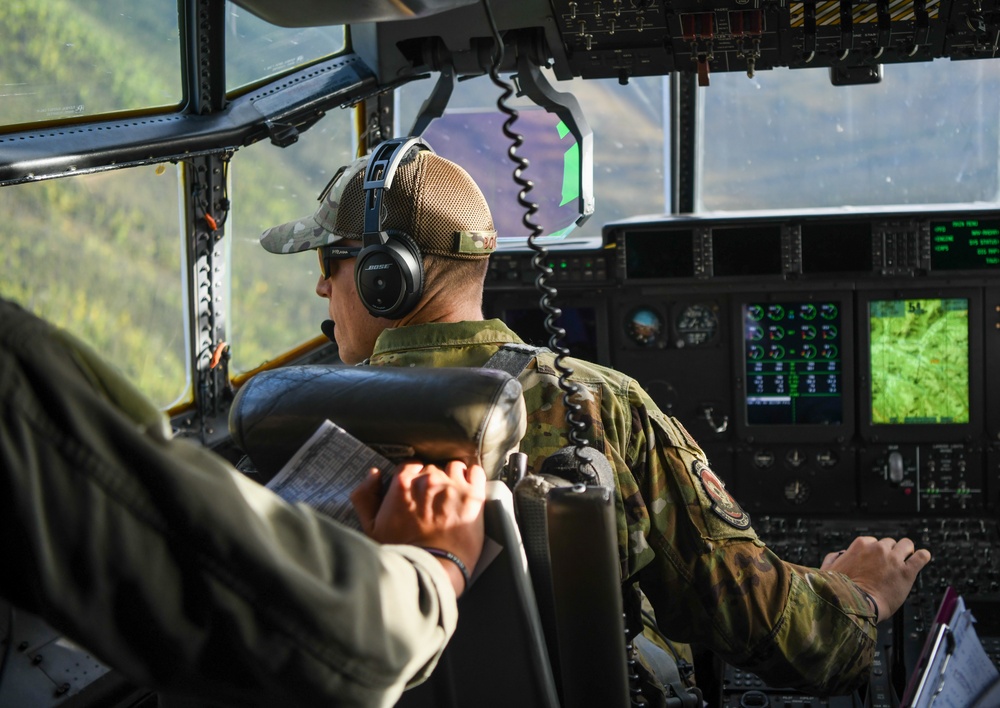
378,177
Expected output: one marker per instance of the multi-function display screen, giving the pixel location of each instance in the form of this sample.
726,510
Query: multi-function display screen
746,250
919,361
965,244
579,324
659,254
794,367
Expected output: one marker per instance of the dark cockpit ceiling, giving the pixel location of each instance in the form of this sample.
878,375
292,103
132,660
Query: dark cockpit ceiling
624,38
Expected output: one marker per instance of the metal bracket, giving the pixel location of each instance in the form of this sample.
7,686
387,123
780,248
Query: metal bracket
535,86
435,104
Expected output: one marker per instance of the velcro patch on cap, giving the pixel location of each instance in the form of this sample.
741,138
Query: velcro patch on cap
723,504
475,243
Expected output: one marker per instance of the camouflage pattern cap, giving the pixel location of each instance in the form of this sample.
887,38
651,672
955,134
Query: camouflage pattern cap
431,199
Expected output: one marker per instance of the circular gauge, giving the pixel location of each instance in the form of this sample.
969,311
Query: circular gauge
829,311
797,491
775,312
808,332
763,459
755,312
697,324
808,311
644,327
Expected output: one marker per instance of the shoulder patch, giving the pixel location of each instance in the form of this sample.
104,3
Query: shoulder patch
723,504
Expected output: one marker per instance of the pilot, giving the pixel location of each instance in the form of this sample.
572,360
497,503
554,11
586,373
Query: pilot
189,578
682,536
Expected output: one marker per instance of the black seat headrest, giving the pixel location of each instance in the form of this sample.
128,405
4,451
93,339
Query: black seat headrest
433,414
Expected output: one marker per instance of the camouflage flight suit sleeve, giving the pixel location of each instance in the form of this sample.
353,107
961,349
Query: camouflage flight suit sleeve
794,626
710,580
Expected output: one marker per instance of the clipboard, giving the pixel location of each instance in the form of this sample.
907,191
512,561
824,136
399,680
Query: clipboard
953,669
934,656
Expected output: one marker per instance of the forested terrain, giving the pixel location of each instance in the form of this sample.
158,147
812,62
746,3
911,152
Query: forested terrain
84,252
101,254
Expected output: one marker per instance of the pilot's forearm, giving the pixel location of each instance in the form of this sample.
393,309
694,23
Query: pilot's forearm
181,573
713,582
795,627
828,630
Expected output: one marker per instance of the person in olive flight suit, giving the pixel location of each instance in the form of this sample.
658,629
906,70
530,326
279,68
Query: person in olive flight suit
681,535
191,579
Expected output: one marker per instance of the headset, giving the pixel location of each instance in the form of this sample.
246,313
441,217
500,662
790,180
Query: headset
389,271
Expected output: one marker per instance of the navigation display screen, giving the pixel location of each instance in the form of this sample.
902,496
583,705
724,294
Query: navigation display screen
919,361
794,365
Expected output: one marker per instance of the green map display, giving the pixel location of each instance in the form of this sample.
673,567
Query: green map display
920,361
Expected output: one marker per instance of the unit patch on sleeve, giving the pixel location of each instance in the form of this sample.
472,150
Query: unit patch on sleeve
723,504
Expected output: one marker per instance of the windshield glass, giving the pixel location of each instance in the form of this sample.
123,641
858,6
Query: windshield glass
274,304
257,50
63,58
927,134
630,164
100,255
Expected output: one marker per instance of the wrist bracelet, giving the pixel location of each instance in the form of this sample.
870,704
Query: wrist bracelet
871,601
441,553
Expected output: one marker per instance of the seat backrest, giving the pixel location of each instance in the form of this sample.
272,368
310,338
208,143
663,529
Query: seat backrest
497,656
475,415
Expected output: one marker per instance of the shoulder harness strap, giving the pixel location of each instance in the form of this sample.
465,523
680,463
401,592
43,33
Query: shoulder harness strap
513,358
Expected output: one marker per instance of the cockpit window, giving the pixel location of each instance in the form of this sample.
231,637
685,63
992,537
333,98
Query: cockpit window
631,167
63,58
256,50
100,255
274,305
927,134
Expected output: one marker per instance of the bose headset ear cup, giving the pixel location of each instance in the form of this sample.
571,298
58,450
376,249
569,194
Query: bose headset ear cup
389,277
389,272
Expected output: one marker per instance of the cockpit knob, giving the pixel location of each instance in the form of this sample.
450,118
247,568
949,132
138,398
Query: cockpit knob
895,467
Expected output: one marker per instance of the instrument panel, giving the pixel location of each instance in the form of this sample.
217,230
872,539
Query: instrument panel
835,367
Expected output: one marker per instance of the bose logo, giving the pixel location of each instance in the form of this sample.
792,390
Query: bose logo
380,266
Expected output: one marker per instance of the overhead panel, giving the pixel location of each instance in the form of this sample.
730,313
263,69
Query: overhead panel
606,39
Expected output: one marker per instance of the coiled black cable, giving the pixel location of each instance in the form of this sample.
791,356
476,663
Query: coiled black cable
570,389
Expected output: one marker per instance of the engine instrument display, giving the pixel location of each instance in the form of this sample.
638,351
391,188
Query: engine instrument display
792,358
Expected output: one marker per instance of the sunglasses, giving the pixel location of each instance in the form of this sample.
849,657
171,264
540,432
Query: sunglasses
328,254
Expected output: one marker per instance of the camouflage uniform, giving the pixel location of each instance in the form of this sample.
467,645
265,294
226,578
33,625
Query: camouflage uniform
710,579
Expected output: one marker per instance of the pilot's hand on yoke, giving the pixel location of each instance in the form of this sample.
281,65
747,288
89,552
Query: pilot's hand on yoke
885,569
426,506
